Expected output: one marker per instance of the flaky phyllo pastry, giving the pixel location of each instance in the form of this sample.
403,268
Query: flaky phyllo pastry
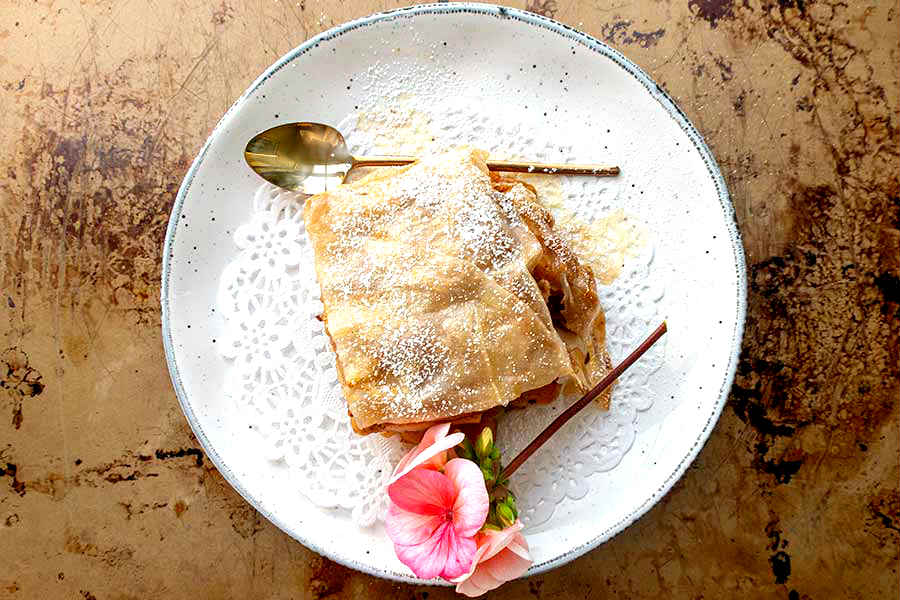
448,294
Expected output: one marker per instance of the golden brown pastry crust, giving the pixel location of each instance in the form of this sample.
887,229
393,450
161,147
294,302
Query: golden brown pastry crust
430,302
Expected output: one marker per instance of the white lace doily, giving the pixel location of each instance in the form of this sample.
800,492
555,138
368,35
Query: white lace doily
283,376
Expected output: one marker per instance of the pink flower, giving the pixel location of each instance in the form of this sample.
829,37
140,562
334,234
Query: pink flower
501,556
434,516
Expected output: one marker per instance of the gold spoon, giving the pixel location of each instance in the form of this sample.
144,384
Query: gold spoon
312,157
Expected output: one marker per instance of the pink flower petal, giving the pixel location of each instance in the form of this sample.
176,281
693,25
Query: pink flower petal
406,528
424,492
430,437
433,455
495,541
520,546
443,554
471,505
460,554
479,553
479,583
428,559
501,556
505,565
433,434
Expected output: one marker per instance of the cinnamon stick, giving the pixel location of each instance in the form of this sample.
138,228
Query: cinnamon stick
570,412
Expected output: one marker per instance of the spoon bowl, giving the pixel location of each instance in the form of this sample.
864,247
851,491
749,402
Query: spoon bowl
301,157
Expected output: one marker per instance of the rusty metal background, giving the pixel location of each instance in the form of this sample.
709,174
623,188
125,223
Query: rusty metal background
105,494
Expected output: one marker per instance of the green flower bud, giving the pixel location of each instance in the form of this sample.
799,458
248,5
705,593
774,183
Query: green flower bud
491,526
485,443
466,450
511,502
488,475
505,515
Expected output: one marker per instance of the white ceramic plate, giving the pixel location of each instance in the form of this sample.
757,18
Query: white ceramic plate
669,180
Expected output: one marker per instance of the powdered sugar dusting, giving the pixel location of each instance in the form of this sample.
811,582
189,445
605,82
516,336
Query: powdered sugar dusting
415,358
479,227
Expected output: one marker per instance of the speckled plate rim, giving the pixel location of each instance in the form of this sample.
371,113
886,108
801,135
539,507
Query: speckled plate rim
569,33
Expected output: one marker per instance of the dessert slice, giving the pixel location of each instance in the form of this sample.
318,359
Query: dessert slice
447,294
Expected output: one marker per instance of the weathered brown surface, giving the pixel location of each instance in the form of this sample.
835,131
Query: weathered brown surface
103,490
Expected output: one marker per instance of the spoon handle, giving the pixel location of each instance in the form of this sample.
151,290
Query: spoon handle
502,165
552,168
383,161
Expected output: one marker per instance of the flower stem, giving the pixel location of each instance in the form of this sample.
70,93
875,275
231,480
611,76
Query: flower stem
570,412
